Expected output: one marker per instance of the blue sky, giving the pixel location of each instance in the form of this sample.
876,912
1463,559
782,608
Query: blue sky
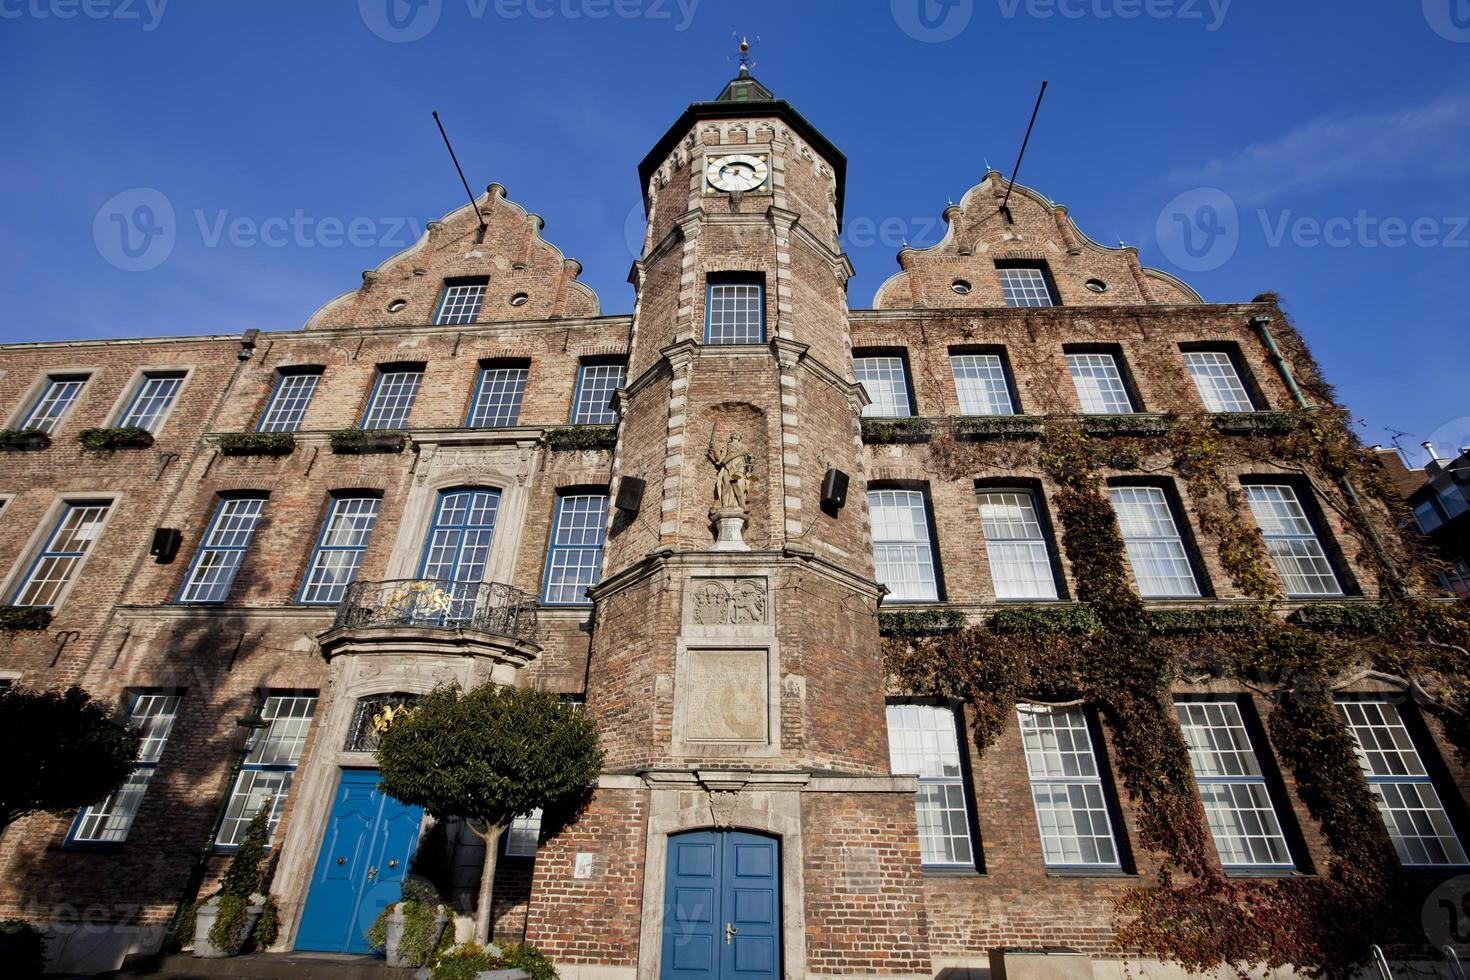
1318,149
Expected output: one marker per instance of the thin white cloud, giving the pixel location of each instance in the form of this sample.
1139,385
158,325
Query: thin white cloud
1425,140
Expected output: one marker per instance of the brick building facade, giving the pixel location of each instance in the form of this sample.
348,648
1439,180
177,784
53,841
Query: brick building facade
540,477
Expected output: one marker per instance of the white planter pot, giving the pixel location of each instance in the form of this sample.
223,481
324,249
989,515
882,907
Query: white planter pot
204,921
394,939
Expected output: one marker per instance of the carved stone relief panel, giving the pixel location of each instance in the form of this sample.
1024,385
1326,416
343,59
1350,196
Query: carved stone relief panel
715,602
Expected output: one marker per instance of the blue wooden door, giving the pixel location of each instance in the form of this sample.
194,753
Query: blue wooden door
369,842
722,907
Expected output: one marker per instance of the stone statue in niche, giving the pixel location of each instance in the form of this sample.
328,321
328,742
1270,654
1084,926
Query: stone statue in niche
734,470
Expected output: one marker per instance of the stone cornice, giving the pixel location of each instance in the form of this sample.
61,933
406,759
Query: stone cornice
224,615
1060,312
737,563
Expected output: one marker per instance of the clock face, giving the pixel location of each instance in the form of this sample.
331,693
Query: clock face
742,173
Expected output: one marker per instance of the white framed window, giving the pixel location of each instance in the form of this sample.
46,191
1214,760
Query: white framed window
1066,788
269,766
461,303
1025,286
61,557
1407,800
393,396
289,401
885,379
1219,384
1457,579
524,835
1156,552
596,385
735,312
109,820
981,383
151,400
222,550
57,396
902,555
1015,544
574,558
498,397
1100,386
1291,540
923,741
340,549
1237,802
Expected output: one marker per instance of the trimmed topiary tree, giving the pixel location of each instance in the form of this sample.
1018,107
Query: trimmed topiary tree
485,757
79,754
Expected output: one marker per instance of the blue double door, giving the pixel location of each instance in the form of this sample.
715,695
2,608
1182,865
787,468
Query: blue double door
370,840
722,907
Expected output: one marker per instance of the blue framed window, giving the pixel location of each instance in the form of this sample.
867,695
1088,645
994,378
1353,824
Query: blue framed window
574,557
152,400
461,301
457,552
1232,786
393,397
339,549
109,820
498,396
61,557
735,309
56,398
289,401
222,550
269,766
596,383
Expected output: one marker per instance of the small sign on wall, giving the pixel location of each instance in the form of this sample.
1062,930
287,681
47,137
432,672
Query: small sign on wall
582,868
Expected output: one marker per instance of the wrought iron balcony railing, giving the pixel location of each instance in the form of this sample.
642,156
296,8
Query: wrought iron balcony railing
490,607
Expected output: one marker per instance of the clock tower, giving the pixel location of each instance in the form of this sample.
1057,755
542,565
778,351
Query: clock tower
747,820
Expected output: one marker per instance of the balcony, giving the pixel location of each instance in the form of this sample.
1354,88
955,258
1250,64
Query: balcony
434,616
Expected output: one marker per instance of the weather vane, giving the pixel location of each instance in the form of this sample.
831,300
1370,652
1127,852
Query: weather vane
745,63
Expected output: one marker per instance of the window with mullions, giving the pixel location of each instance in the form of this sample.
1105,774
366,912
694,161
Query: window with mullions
1015,543
62,555
393,396
1025,285
1232,787
981,383
289,401
1066,788
1291,540
1407,800
152,399
574,559
735,310
923,741
457,551
340,549
885,379
1156,552
902,554
523,835
222,550
1099,383
108,821
1456,579
57,397
1219,384
498,396
596,385
461,302
269,766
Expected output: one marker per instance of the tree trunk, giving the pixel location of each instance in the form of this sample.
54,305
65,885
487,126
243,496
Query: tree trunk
491,837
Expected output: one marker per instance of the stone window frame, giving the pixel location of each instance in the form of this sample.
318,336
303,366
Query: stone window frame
20,570
26,407
124,402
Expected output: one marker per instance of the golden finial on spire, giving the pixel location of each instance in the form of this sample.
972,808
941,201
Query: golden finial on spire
745,63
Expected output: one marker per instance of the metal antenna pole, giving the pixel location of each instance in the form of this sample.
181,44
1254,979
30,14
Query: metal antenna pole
1029,126
449,146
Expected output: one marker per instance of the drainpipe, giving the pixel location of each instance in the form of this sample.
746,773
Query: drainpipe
1262,323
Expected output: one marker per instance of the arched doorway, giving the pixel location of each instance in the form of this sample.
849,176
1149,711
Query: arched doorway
722,907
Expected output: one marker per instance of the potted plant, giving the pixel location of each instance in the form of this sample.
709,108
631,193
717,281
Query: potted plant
226,920
20,441
509,961
409,930
257,443
359,441
104,440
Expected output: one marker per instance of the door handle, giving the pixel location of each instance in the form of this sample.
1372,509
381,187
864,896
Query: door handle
393,863
372,873
730,931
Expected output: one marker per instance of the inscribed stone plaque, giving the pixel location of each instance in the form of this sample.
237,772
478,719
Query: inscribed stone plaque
726,698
